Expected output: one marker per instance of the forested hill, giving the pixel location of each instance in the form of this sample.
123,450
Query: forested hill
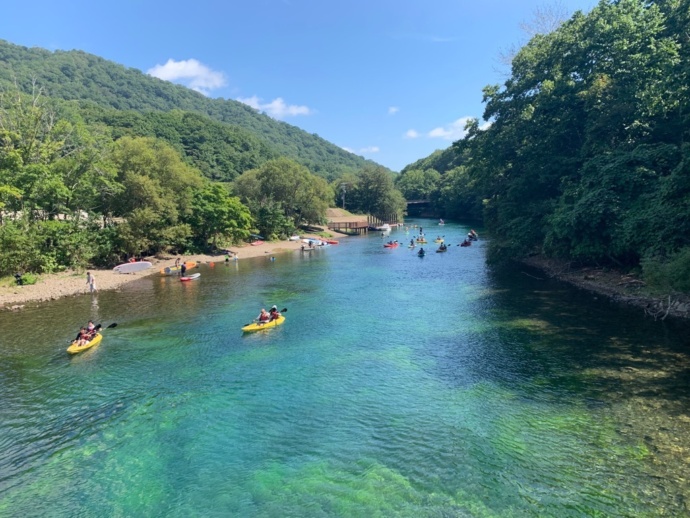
441,160
79,76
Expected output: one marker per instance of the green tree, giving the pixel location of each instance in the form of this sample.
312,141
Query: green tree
282,183
158,193
375,194
216,214
416,184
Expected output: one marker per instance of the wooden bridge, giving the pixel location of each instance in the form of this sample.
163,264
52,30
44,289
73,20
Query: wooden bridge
356,223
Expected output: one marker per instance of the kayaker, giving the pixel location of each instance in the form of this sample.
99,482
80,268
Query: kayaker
90,327
274,313
83,337
263,316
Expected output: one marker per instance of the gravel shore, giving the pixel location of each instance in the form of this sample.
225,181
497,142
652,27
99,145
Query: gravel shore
57,285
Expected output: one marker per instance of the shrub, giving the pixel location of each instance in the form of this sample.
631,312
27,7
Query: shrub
672,274
29,278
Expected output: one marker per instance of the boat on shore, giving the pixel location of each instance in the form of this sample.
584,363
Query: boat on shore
175,270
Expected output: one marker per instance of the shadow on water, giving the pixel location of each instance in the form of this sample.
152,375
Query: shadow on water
572,333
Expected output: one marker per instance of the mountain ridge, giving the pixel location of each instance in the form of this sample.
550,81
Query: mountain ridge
75,75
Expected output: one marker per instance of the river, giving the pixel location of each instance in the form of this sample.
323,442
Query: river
398,386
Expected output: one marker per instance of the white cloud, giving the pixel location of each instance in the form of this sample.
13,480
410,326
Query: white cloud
369,149
277,108
453,131
410,133
191,73
347,149
392,110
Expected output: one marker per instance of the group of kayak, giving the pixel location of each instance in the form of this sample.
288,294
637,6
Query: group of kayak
471,236
90,335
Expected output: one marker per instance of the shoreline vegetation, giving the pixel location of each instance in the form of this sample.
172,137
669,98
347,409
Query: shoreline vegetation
68,283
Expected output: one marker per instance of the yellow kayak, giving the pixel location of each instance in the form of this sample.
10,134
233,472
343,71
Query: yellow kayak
255,326
74,348
175,270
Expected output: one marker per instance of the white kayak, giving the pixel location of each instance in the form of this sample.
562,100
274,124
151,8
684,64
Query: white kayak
133,267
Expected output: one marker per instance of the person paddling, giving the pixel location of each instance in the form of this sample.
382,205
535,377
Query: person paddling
274,314
83,337
263,317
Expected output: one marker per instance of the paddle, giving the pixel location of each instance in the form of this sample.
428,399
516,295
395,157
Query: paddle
284,310
98,328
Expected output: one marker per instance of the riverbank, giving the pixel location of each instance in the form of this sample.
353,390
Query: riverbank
68,283
617,286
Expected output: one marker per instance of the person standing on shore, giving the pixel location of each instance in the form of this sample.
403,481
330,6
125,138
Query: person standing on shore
91,281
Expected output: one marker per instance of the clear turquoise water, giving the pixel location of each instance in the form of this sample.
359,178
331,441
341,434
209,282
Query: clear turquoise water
398,386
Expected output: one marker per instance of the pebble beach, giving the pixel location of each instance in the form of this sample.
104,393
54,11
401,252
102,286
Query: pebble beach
68,283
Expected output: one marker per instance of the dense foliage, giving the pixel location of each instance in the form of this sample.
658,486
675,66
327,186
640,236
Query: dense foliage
70,195
220,151
89,80
587,155
371,190
283,195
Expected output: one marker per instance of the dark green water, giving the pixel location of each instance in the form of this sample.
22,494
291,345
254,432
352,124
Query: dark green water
398,386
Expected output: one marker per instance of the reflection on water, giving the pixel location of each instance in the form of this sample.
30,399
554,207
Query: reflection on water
396,387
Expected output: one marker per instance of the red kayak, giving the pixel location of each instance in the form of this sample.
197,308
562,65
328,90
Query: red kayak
191,277
390,245
331,241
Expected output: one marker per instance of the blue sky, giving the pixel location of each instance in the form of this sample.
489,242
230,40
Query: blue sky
388,80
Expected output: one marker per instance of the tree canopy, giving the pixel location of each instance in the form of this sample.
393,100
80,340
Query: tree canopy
284,195
69,196
586,156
